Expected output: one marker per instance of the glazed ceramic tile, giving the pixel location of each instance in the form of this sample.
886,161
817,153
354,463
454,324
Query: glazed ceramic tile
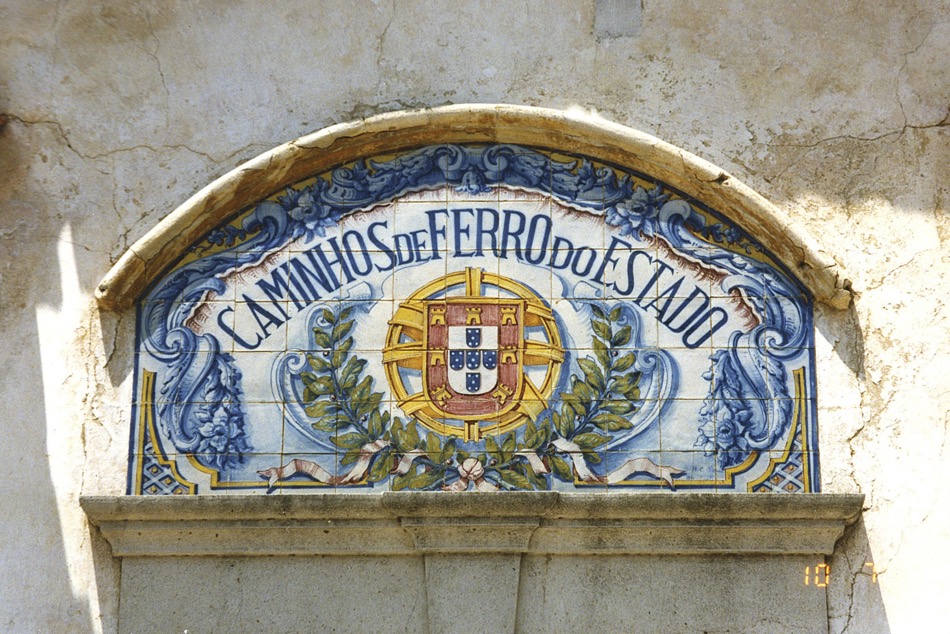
484,317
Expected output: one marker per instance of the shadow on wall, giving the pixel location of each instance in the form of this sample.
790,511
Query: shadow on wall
842,328
39,590
855,603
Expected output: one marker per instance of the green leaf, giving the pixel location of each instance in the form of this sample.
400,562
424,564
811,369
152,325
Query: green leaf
352,439
508,448
401,440
326,423
568,421
346,345
319,409
567,410
426,479
619,407
590,440
400,482
368,406
515,479
319,385
404,440
601,352
601,329
537,481
530,430
344,314
321,338
616,313
351,372
433,446
583,398
338,359
533,436
328,316
350,456
598,311
375,427
594,377
627,383
396,425
544,431
611,422
318,364
363,391
341,330
491,446
625,362
448,449
382,466
561,468
621,338
412,432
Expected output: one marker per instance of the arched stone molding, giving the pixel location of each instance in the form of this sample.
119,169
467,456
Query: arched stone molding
473,123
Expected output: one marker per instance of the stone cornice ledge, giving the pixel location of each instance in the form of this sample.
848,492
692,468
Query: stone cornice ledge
468,522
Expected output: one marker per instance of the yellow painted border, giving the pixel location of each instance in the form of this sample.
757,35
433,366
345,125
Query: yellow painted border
147,426
798,427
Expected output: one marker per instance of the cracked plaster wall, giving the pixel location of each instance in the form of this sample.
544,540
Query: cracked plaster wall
115,113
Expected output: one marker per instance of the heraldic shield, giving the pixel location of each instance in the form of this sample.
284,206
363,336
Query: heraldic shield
473,355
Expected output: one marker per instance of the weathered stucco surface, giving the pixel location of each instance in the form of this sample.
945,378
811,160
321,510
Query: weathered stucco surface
116,113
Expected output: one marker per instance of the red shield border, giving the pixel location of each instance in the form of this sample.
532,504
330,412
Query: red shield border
508,316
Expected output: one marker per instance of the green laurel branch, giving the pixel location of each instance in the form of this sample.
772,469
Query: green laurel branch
603,396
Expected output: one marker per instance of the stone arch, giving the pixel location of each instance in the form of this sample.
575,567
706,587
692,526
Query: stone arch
581,133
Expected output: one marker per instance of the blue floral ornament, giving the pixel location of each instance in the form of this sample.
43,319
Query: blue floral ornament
221,436
308,216
727,414
724,432
720,233
220,439
641,207
225,236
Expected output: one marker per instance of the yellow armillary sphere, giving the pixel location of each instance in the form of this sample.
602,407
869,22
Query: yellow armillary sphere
486,363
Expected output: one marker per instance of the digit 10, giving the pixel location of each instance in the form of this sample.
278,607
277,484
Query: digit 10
821,576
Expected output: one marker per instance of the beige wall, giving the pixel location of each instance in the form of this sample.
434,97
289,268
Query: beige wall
837,112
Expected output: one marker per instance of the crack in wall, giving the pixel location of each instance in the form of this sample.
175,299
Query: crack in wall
158,149
809,147
943,123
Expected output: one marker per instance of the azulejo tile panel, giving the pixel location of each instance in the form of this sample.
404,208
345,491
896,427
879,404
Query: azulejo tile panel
475,317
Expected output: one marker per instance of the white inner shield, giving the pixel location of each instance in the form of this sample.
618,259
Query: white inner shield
460,379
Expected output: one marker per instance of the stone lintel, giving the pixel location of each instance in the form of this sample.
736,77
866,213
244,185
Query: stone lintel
517,522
